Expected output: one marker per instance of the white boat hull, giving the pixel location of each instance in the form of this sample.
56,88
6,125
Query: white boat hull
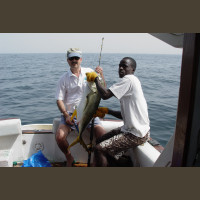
29,139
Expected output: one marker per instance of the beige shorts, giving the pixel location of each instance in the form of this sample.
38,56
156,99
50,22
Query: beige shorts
116,143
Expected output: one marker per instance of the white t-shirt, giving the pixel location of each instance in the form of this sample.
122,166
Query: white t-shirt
70,88
133,105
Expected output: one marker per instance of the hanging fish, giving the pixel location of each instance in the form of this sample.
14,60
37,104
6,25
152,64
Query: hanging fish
85,110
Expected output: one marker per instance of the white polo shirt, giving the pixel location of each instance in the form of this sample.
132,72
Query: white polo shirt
70,88
133,105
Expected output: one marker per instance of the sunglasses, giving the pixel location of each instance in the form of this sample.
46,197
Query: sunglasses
72,58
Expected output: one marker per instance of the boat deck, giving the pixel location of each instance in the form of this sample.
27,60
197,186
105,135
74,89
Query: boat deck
124,161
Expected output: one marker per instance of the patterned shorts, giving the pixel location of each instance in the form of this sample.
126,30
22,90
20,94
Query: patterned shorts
116,143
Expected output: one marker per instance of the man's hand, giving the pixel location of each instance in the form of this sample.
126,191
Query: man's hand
101,111
99,70
91,76
68,120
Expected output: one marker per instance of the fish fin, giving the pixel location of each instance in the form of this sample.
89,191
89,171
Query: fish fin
78,140
74,114
74,142
86,103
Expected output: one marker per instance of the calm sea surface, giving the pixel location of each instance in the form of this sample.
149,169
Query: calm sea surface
28,83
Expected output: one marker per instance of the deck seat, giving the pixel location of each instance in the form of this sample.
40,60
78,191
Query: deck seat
10,141
144,155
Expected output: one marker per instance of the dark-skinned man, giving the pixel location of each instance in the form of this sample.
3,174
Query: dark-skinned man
134,112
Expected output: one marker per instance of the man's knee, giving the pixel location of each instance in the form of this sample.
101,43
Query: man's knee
61,134
99,131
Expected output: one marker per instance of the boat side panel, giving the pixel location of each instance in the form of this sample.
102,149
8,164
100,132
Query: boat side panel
47,144
11,138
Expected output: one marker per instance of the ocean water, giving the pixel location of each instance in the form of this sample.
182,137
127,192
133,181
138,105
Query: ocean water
28,83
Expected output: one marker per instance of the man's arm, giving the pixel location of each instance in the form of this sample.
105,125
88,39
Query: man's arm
62,109
114,113
105,93
102,111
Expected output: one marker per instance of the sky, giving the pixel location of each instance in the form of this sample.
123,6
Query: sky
143,43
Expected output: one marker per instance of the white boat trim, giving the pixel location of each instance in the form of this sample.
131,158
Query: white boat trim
26,144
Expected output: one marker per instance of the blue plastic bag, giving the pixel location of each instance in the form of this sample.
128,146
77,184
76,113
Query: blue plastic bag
36,160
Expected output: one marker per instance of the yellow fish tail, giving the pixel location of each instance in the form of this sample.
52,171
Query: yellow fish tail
77,140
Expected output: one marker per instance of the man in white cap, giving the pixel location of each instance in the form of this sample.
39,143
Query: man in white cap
68,95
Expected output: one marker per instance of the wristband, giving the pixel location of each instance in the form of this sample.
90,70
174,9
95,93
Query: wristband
65,112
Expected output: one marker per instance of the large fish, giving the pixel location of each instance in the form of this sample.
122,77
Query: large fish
86,109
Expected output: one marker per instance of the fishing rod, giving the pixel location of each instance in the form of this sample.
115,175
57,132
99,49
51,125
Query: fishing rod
92,127
101,51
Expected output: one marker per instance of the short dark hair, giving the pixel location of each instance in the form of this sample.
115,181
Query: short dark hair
132,62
